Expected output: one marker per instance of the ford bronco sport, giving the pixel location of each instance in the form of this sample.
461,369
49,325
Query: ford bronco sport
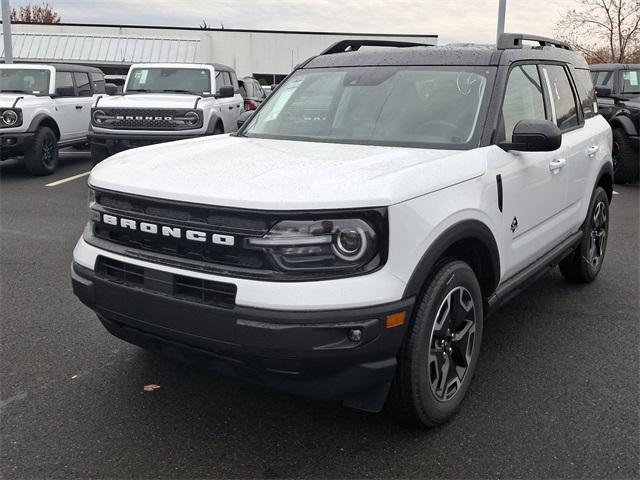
44,107
163,102
618,91
350,240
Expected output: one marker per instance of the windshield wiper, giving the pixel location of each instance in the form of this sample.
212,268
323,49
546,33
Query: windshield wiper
176,90
2,90
144,90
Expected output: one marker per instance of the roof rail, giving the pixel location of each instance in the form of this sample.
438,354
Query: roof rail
510,41
353,45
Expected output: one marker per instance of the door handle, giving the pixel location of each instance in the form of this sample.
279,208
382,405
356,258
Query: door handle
591,151
557,164
78,107
231,107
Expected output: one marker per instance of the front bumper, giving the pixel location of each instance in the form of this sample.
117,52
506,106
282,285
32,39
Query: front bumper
306,353
15,143
116,142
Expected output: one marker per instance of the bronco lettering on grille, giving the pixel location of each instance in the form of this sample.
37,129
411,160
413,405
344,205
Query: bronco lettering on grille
167,231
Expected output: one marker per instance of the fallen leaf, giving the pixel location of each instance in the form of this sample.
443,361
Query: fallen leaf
151,387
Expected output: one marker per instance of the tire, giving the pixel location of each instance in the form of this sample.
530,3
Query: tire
98,154
584,264
42,157
218,129
625,158
416,395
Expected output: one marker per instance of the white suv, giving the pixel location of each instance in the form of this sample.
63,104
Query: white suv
44,107
162,102
349,241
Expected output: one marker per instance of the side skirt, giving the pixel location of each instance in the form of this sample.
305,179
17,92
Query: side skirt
524,278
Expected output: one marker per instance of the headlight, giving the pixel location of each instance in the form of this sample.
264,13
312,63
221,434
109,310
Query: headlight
321,245
11,118
190,119
99,117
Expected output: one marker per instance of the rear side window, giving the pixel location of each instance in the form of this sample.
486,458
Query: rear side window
64,84
587,92
83,84
523,99
97,82
563,103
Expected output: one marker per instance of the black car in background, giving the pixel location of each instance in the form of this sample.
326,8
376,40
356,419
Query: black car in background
618,92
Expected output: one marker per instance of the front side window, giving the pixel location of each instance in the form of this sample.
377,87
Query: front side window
523,98
562,99
170,80
64,84
97,82
83,84
604,78
223,79
631,81
24,80
587,92
432,107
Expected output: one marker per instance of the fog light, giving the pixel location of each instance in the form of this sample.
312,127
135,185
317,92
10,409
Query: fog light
10,141
355,334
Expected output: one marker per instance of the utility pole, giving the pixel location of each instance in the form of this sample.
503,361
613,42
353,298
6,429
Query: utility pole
502,8
6,31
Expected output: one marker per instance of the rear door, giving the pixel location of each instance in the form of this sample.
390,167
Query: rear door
534,183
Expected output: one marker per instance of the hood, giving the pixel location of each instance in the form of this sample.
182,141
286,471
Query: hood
149,100
283,175
8,99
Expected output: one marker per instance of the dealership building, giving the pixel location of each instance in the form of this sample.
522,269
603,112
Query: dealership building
265,54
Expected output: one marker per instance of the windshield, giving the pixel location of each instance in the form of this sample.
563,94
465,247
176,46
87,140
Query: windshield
631,81
436,107
172,80
24,80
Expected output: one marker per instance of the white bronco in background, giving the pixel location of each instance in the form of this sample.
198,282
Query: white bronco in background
162,102
43,107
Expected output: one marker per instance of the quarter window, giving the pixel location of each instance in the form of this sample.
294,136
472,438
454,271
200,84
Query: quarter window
523,99
563,103
83,84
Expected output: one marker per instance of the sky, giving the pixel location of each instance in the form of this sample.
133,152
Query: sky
453,21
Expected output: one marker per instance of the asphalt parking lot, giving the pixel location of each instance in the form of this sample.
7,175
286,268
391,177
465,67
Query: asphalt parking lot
556,393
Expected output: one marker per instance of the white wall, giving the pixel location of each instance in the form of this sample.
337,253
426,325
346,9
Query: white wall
247,51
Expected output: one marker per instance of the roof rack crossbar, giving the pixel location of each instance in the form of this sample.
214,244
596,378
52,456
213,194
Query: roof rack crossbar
353,45
510,41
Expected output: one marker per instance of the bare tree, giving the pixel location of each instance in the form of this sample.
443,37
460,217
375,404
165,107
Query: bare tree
37,13
604,30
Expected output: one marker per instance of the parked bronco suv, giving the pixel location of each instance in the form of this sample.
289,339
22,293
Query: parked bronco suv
44,107
350,240
162,102
618,90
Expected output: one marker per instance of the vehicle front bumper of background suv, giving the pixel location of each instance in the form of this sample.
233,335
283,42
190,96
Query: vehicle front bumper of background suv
337,355
117,142
15,143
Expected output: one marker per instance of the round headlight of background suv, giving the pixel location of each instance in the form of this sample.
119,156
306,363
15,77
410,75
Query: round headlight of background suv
99,116
191,118
9,117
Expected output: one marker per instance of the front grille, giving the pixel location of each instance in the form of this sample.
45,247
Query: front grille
181,287
147,119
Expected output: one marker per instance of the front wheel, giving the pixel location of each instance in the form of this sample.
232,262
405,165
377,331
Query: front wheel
42,156
584,264
626,163
439,355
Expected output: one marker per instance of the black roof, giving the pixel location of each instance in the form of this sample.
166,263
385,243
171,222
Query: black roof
68,67
614,66
349,53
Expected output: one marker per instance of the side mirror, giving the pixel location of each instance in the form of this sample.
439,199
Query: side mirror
534,136
226,91
603,92
244,116
110,89
65,92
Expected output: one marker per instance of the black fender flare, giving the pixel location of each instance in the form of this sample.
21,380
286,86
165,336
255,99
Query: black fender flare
213,120
606,169
466,229
39,119
624,122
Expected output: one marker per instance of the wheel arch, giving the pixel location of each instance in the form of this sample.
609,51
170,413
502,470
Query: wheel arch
42,119
215,119
470,241
625,123
605,179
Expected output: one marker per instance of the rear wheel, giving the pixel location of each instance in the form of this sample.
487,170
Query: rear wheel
98,154
42,156
584,264
440,352
625,158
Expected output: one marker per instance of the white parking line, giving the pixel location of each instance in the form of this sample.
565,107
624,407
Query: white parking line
65,180
615,193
